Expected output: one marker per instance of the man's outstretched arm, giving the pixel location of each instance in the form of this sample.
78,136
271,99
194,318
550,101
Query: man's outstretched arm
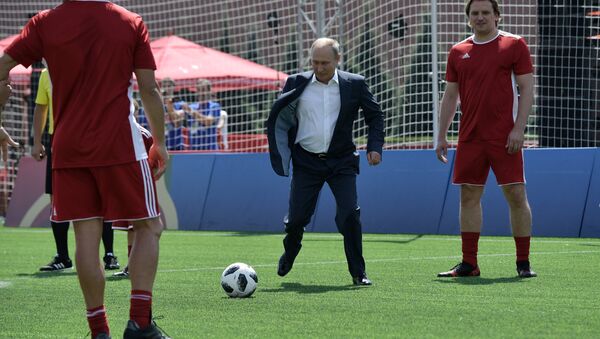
6,64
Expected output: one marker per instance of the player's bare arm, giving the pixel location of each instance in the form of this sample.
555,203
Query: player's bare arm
176,116
6,64
40,115
516,138
5,91
153,106
447,112
205,120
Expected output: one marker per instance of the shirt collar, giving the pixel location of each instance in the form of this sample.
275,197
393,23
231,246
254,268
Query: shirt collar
335,78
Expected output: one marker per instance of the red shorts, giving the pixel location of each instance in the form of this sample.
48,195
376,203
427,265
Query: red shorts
474,159
122,225
120,192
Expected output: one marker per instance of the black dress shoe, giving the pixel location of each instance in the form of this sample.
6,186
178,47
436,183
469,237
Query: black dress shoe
362,281
285,265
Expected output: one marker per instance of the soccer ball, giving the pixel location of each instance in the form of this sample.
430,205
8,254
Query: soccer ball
239,280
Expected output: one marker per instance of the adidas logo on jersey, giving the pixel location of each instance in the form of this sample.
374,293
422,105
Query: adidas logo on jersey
466,56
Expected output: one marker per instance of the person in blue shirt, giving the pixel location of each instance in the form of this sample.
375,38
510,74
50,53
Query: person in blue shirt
174,117
202,118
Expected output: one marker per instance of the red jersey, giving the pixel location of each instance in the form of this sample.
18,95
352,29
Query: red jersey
485,73
92,48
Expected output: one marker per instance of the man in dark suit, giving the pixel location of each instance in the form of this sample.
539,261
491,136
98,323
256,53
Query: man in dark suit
311,124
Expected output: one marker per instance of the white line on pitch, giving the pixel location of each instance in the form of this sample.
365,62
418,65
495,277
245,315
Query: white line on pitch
383,237
380,260
341,262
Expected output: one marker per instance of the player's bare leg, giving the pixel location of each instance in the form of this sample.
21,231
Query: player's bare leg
470,228
91,273
520,212
143,261
87,261
143,264
520,219
471,214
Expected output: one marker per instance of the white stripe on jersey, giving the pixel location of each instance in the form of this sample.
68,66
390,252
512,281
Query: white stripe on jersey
136,135
515,108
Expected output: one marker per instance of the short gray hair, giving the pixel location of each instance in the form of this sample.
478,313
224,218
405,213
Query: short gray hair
204,82
321,42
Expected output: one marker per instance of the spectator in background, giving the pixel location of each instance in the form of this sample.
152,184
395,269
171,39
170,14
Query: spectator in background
175,116
42,113
101,170
483,71
203,118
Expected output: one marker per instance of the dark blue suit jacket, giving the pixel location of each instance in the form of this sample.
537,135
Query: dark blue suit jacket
354,94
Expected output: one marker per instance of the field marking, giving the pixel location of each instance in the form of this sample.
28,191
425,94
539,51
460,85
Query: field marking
378,260
391,237
4,284
338,262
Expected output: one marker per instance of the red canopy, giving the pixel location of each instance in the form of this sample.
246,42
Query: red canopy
181,59
19,74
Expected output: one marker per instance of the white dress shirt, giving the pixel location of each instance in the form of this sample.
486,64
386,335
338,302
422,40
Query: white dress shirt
317,112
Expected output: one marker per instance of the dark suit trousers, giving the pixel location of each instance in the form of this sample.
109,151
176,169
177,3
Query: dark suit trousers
309,174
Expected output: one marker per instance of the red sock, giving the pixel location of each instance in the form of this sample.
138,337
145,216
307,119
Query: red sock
140,310
97,320
522,244
469,247
128,251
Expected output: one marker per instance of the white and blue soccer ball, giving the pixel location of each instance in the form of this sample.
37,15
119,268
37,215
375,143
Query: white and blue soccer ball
239,280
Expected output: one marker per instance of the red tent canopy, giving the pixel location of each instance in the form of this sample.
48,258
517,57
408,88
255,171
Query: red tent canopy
19,74
181,59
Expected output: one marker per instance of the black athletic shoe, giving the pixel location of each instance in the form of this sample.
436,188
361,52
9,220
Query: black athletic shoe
524,269
111,262
57,264
102,336
133,331
461,270
362,281
122,274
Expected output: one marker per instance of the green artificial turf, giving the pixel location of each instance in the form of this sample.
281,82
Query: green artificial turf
316,299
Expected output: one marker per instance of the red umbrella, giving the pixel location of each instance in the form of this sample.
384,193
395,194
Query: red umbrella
181,59
19,74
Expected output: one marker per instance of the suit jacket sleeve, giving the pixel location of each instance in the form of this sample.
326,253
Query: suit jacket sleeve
280,128
373,118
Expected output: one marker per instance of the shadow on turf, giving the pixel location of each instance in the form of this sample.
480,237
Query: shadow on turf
589,244
479,280
47,274
308,289
403,241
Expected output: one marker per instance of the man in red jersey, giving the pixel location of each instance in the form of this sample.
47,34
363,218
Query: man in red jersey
101,171
484,71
